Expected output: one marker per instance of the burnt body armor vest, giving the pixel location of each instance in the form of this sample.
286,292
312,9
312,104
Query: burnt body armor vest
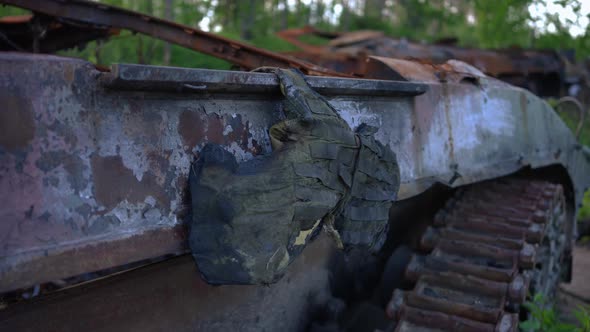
251,219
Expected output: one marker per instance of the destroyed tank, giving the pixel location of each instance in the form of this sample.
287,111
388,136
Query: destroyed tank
547,73
151,198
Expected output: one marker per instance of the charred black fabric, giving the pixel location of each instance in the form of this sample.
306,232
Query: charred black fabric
252,219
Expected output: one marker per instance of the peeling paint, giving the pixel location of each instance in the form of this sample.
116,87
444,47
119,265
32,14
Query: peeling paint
94,165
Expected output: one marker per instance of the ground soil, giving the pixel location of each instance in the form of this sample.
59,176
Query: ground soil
577,293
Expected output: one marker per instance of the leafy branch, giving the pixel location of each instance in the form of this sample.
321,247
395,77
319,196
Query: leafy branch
543,318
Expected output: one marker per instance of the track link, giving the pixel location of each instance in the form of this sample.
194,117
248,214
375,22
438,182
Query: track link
486,249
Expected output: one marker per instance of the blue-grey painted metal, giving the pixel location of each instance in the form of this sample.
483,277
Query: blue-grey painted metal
93,165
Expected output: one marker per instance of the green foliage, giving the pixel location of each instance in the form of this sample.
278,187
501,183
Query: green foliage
272,43
129,48
570,116
543,318
503,23
585,209
583,317
12,11
561,38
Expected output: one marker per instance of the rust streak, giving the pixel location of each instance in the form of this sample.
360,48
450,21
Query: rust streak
215,129
191,129
447,105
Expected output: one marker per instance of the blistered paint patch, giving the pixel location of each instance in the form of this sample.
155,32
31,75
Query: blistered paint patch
354,115
475,119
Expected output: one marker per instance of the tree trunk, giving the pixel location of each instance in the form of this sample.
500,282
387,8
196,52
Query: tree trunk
308,20
225,17
235,15
302,13
285,20
374,8
345,18
248,20
148,48
168,14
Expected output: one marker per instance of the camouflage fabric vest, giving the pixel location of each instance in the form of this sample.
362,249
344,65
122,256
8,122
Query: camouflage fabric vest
252,219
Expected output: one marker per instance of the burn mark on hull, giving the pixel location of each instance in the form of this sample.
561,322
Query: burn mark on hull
114,182
74,166
17,126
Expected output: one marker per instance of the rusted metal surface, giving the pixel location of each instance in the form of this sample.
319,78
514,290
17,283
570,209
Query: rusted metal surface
17,19
452,71
44,34
541,71
95,163
453,286
154,78
91,256
99,14
416,319
171,296
89,167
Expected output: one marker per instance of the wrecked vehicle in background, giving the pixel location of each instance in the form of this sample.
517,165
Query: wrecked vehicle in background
546,73
98,198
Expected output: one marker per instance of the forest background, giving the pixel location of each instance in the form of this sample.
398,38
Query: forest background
542,24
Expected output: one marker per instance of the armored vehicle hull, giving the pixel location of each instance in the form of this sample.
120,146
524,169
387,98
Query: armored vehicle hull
95,168
97,181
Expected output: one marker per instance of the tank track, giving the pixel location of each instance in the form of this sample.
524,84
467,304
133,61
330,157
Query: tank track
490,245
